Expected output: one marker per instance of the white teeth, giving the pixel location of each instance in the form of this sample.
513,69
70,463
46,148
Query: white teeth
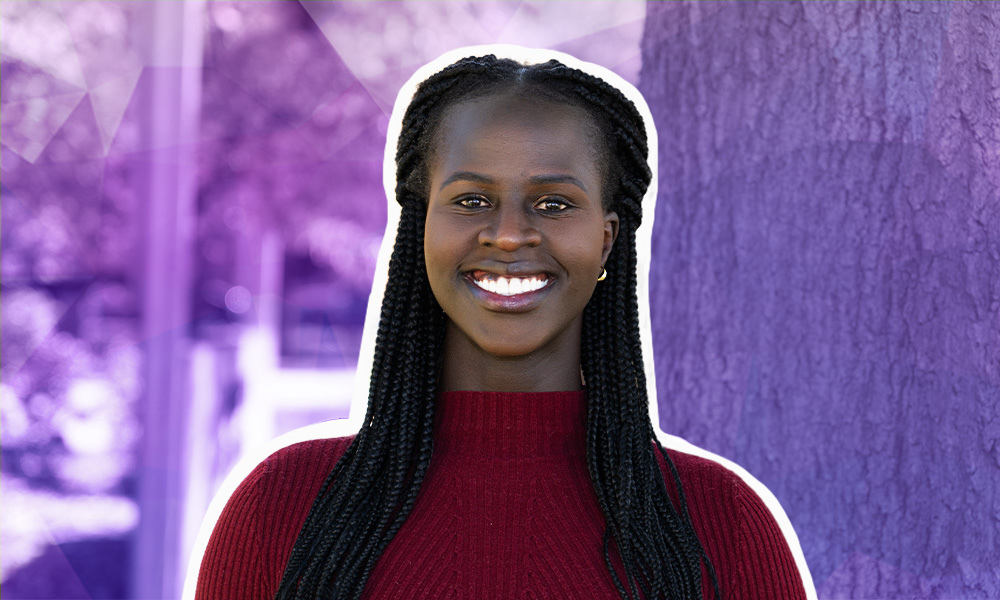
511,286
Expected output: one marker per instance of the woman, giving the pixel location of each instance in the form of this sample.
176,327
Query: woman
507,449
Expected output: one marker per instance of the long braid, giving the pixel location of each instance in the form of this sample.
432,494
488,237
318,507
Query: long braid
372,489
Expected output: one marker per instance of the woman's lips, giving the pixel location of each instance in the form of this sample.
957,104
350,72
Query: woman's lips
509,285
508,293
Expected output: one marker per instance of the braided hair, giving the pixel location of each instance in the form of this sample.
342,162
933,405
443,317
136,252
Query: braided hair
371,490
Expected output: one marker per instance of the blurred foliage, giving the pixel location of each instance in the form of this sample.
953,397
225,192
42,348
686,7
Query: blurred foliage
67,69
70,365
292,144
289,134
67,404
66,220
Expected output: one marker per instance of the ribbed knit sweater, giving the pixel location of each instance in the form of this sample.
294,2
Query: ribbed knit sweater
506,510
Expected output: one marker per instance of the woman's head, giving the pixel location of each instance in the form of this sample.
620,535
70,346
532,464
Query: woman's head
490,128
516,234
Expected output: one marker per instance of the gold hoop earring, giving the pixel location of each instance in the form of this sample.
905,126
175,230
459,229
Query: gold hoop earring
604,274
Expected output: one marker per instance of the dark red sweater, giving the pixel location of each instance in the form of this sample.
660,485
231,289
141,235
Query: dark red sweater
506,510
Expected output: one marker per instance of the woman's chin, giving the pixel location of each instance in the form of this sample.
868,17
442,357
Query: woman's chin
512,349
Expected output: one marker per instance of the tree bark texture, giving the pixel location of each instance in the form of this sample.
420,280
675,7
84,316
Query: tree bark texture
825,283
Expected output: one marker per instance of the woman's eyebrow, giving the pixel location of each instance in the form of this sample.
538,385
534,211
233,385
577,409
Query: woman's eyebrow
543,179
467,176
535,180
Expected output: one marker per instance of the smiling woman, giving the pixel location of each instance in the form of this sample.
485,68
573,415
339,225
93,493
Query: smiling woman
508,449
516,236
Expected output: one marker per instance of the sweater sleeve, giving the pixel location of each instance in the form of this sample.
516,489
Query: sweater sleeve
231,567
253,538
747,549
765,565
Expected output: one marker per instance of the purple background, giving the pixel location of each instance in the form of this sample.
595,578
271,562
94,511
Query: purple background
825,285
192,204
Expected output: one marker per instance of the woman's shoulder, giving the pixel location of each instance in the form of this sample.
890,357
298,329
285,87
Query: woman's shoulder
254,533
699,470
742,527
718,483
295,465
712,491
303,459
300,465
712,482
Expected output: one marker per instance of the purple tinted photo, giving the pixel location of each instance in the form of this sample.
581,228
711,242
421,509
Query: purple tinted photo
192,205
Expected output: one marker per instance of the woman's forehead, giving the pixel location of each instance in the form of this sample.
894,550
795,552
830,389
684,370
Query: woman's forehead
510,119
502,134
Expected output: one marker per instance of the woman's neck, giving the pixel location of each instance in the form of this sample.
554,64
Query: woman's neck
465,366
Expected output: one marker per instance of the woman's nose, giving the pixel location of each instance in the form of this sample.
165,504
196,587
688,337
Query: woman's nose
509,229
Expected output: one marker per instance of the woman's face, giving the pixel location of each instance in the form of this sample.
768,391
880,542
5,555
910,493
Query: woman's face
516,233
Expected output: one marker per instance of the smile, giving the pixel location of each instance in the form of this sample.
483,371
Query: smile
509,286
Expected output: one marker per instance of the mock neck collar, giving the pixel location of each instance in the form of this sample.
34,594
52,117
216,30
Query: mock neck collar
510,425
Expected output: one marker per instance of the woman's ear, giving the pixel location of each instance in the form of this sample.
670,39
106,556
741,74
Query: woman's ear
610,233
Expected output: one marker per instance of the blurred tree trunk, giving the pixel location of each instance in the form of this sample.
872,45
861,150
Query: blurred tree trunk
825,281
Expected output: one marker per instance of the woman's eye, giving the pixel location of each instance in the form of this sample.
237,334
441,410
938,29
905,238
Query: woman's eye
473,202
552,204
